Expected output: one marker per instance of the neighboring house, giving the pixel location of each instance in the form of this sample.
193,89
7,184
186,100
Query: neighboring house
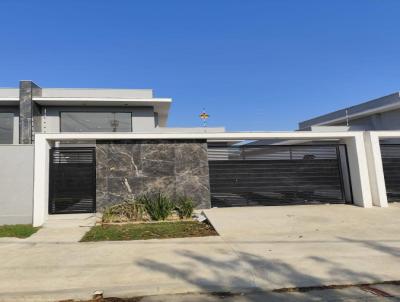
68,151
379,114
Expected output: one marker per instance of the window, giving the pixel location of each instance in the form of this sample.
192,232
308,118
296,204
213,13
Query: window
6,127
96,121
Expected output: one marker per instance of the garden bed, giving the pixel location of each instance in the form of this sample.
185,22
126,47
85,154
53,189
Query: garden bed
143,231
17,230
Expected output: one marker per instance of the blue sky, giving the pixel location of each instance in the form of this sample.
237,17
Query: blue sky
254,65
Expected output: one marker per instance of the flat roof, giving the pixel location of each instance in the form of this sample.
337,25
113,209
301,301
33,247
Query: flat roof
93,97
97,92
382,104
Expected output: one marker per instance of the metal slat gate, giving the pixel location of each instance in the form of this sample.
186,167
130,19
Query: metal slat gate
391,169
72,180
278,175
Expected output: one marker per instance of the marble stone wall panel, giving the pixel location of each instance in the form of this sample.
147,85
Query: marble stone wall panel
29,112
133,167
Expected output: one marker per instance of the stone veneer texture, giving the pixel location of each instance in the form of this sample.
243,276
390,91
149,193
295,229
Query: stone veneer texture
29,112
127,168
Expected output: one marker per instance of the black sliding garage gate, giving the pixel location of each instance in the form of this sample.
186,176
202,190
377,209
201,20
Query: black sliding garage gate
391,169
278,175
72,180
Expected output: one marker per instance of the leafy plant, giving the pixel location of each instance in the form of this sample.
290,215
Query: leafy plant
125,211
184,206
158,206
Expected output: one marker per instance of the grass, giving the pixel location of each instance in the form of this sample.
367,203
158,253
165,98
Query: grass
142,231
17,230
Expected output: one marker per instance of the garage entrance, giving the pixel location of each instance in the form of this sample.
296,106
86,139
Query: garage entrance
278,175
72,180
391,169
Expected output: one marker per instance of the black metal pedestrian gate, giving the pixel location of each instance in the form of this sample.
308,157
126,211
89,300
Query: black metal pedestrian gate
72,180
278,175
391,169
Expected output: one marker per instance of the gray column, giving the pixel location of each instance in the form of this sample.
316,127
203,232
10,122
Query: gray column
29,112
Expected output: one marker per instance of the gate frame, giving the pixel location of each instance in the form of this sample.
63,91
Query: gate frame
353,139
51,179
375,165
344,192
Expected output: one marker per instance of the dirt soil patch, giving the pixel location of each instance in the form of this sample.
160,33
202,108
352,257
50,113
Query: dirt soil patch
143,231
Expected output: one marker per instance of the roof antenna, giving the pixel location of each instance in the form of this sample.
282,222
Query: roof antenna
347,118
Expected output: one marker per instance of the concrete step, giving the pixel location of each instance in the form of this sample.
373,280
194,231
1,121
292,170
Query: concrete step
73,220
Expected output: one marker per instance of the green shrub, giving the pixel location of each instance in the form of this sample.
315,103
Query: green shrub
158,206
124,212
184,206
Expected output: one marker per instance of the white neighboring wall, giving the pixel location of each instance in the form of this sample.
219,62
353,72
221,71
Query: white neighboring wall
16,184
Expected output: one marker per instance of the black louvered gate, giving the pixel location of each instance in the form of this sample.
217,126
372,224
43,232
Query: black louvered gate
72,180
278,175
391,169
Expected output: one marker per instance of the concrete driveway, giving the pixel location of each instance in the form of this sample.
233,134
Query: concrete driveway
267,248
312,245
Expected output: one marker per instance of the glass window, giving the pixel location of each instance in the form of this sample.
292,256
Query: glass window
96,122
6,127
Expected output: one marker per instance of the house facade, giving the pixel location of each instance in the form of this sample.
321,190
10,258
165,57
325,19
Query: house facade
88,175
68,151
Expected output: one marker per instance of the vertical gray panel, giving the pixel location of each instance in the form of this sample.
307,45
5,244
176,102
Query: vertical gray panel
29,112
25,112
345,173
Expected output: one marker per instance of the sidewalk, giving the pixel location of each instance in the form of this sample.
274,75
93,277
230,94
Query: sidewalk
370,293
342,251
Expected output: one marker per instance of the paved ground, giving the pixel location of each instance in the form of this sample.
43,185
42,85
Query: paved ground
270,247
371,293
307,245
71,226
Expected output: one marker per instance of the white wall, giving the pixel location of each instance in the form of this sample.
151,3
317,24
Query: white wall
16,184
354,140
358,166
377,177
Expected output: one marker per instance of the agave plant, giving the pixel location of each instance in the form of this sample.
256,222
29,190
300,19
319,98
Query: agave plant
130,210
184,206
158,206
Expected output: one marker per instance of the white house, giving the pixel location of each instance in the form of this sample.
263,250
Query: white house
80,150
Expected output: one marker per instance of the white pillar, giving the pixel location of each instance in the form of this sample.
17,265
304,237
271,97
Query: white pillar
41,180
359,170
375,168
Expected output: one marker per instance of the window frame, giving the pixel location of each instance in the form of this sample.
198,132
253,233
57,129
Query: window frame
94,111
12,127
